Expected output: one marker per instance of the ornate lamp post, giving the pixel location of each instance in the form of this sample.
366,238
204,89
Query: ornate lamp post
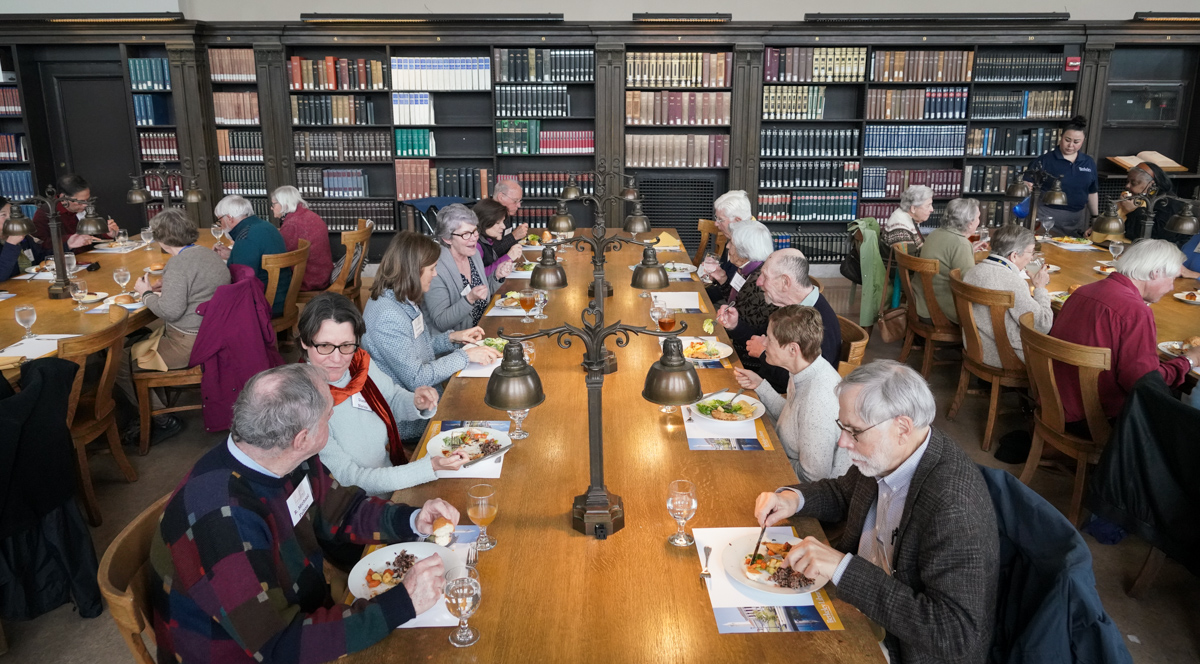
138,194
1036,195
1110,223
19,224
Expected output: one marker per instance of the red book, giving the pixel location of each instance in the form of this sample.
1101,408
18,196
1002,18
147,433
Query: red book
362,74
294,72
330,73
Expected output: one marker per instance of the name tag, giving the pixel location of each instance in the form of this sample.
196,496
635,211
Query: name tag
359,401
464,291
737,282
418,325
300,500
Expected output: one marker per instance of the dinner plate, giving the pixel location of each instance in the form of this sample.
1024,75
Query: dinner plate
1059,296
524,267
33,269
378,560
437,444
509,303
1174,348
1182,297
149,271
759,409
733,560
723,350
1104,269
1106,263
678,268
110,298
94,297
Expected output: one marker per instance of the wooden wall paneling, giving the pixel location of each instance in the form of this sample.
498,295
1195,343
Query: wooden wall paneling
275,112
610,124
1093,92
191,92
746,117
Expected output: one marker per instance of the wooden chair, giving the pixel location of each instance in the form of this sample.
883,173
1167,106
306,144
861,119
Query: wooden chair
348,282
708,229
854,346
1042,352
144,381
124,578
92,414
1010,373
820,288
275,263
940,329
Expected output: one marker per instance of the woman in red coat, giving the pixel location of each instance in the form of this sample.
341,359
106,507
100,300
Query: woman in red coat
298,222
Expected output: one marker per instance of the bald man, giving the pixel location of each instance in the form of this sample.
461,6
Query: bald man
509,194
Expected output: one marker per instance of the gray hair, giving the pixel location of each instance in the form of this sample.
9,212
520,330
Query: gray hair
890,389
288,198
792,263
1011,238
960,212
915,196
234,206
752,240
277,404
172,227
453,217
734,204
1140,174
509,188
1150,259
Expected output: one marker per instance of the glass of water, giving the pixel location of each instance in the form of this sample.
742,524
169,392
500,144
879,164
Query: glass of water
69,262
121,276
217,232
1116,249
542,299
122,238
462,592
79,293
148,237
681,504
26,315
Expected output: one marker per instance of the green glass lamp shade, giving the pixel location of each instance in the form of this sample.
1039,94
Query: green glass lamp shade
672,380
514,385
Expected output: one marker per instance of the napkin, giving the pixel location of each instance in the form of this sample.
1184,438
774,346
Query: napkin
666,241
498,310
39,345
11,362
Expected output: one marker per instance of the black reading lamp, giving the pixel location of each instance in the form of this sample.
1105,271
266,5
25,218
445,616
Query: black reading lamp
1184,223
60,288
1109,224
92,223
1036,194
548,274
649,275
138,194
18,223
637,222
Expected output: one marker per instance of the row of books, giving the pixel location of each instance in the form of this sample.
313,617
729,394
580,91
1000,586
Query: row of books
149,74
665,107
773,207
981,179
261,205
153,208
236,108
418,178
800,64
815,207
342,216
157,185
469,73
522,101
808,142
412,108
231,65
784,174
922,66
239,145
150,110
818,248
16,185
547,184
676,150
335,74
879,182
332,183
1009,142
13,148
244,180
1019,67
805,102
537,216
914,141
544,65
527,137
10,101
917,104
679,70
342,146
1023,104
317,110
158,146
882,211
415,143
994,214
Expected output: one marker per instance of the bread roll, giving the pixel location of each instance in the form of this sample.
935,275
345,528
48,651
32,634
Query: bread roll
1192,341
157,267
443,531
123,299
1073,288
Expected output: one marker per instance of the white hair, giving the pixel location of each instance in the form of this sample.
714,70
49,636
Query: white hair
735,205
234,206
1150,259
915,196
453,217
509,188
890,389
752,240
288,198
793,263
960,212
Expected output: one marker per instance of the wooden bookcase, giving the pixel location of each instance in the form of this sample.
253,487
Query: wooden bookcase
18,178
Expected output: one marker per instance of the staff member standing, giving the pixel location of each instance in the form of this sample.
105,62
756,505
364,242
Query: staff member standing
1077,171
73,195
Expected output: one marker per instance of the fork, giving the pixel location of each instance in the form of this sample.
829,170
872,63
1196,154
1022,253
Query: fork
704,575
472,556
689,414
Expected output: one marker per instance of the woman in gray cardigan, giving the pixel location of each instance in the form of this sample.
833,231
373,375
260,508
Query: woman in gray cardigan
806,420
1003,270
462,288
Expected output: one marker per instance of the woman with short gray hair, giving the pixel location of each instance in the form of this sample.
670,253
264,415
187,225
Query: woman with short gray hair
903,226
749,247
462,288
951,248
297,222
1004,270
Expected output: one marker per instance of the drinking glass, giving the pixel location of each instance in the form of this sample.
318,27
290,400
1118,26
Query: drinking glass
482,511
518,416
1034,266
217,232
69,262
462,592
710,259
122,238
148,237
121,276
1048,226
666,321
543,298
656,313
530,351
1116,249
26,315
79,293
681,504
527,298
984,235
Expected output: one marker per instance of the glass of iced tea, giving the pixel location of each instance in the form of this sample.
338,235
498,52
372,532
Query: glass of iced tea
482,511
666,321
528,299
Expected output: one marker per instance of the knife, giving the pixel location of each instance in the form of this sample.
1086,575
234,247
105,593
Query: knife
754,553
494,455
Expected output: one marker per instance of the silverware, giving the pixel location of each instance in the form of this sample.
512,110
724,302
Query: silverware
711,395
704,575
494,455
754,552
688,410
472,555
736,394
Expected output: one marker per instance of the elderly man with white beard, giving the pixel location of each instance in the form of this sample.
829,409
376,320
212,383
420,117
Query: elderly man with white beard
919,551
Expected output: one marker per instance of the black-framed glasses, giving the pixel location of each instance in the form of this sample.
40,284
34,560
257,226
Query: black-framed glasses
468,234
344,349
854,433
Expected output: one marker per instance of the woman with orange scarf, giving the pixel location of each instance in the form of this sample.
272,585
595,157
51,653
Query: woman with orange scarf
364,446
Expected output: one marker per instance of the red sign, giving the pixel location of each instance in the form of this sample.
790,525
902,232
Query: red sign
1073,63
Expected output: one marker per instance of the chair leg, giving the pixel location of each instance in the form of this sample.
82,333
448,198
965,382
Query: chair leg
964,377
927,363
143,396
1146,576
853,289
114,446
1035,456
85,486
908,344
993,406
1076,508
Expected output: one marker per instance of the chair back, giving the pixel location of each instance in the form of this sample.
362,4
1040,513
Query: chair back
274,264
815,282
998,304
1042,351
854,346
124,578
924,269
349,279
77,350
708,229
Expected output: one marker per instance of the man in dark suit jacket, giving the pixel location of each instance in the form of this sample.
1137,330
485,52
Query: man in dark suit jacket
919,551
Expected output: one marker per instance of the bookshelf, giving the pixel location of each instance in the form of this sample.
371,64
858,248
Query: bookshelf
237,121
151,93
17,179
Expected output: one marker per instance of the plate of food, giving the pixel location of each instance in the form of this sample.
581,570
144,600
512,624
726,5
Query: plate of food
508,302
720,409
705,349
93,297
1177,347
1059,296
765,570
1189,297
123,298
524,267
105,245
1105,269
533,240
156,268
1064,239
384,569
476,441
491,342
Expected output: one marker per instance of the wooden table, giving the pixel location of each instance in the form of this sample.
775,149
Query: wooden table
552,594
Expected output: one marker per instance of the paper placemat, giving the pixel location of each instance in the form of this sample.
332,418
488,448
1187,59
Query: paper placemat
38,346
498,310
5,296
40,276
123,250
1074,247
103,309
439,615
677,301
476,370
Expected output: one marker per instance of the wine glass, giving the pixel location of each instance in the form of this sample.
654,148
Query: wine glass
121,276
462,593
681,504
527,297
217,232
148,237
1116,249
518,416
543,298
69,262
79,293
530,351
1048,226
26,315
482,512
122,238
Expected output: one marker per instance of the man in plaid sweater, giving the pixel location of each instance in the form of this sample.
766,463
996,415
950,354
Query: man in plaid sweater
237,562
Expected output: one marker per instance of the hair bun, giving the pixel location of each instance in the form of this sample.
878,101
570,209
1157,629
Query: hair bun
1078,123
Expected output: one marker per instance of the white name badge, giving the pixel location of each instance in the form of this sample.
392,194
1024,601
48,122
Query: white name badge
418,325
359,401
737,282
464,291
300,500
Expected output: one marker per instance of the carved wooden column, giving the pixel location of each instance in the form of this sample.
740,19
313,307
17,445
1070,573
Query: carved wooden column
191,91
274,110
610,123
1093,84
746,118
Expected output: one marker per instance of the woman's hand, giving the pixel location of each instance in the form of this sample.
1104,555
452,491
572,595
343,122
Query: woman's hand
452,462
482,354
504,270
981,245
469,336
142,284
515,253
425,398
747,379
1042,278
727,316
477,293
718,275
521,231
14,239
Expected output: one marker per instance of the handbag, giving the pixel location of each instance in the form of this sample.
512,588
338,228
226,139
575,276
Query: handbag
851,267
893,323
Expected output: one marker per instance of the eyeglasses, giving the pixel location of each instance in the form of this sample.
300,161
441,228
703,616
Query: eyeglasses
344,349
78,201
855,433
467,235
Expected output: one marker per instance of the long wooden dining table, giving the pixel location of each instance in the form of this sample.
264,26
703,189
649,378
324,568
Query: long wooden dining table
551,594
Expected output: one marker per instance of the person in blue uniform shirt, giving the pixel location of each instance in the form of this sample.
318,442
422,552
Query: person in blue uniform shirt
1077,171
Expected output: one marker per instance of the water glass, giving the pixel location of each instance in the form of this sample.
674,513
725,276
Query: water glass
217,232
1034,266
69,262
121,276
462,592
1116,249
26,315
543,298
79,293
482,511
530,351
518,416
984,235
711,261
148,237
122,238
681,504
656,313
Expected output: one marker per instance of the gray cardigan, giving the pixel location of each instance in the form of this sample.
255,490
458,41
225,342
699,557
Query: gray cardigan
1000,276
445,308
806,421
190,279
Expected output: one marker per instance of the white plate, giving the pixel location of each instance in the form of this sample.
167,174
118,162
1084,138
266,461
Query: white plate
724,350
1169,347
94,297
378,560
1104,269
1181,298
149,271
733,559
759,409
678,268
1059,296
1107,263
437,444
110,298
